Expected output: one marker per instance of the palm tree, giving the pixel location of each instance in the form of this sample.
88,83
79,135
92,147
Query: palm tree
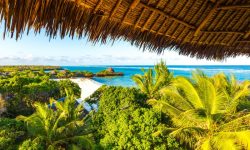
203,113
63,127
233,90
153,80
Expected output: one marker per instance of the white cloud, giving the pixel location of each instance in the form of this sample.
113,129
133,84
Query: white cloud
38,50
108,59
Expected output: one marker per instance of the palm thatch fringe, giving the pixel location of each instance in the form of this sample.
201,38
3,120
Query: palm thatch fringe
161,25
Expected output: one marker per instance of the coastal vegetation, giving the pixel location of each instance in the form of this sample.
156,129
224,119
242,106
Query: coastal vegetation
20,90
63,128
125,121
108,72
57,72
25,67
162,112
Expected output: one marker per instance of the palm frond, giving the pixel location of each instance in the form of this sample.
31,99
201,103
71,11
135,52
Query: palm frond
236,124
178,100
189,135
165,107
190,92
236,140
191,118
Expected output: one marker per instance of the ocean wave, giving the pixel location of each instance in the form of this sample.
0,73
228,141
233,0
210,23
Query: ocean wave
138,67
183,69
212,70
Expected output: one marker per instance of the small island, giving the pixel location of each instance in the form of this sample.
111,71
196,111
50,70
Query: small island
108,72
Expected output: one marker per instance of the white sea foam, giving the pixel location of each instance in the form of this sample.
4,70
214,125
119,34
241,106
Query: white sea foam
212,70
182,69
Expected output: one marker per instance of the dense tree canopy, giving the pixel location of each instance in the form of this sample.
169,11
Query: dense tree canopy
12,133
21,89
205,111
125,121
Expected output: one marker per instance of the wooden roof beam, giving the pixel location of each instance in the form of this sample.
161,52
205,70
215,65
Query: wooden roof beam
213,1
203,23
150,17
98,5
116,7
234,7
228,32
143,10
134,4
82,4
131,7
242,41
247,35
166,15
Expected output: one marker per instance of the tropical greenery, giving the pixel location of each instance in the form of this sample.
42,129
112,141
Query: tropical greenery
21,89
152,81
63,128
124,121
163,112
203,110
108,72
54,72
12,133
25,67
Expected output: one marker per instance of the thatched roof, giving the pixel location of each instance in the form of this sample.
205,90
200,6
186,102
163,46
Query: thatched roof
211,29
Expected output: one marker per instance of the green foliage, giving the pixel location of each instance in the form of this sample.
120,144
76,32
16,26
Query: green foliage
87,74
12,132
153,80
203,111
244,105
63,74
123,121
21,90
71,74
69,86
29,144
22,68
105,73
62,128
166,112
95,97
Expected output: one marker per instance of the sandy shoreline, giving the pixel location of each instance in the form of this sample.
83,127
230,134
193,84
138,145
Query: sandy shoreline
88,86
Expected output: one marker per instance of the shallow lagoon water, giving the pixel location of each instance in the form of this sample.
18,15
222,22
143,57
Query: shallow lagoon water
241,72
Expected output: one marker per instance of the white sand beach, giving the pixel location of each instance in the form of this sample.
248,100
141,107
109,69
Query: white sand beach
88,86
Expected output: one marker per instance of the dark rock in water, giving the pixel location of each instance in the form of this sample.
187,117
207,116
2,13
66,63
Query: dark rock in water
111,70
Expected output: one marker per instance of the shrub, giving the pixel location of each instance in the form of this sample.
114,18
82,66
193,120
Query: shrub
69,86
24,88
29,144
124,121
12,133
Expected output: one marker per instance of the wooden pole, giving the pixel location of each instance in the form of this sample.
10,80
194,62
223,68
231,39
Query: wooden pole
204,22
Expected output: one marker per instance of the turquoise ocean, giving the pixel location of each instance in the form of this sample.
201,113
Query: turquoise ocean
241,72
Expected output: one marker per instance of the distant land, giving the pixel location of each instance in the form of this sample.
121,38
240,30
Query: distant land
28,67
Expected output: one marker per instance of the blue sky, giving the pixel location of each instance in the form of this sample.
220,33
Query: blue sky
38,50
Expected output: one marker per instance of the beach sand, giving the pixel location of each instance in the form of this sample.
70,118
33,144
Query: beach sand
88,86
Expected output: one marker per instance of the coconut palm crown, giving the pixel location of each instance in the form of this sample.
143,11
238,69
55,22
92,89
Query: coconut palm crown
153,79
203,112
60,128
